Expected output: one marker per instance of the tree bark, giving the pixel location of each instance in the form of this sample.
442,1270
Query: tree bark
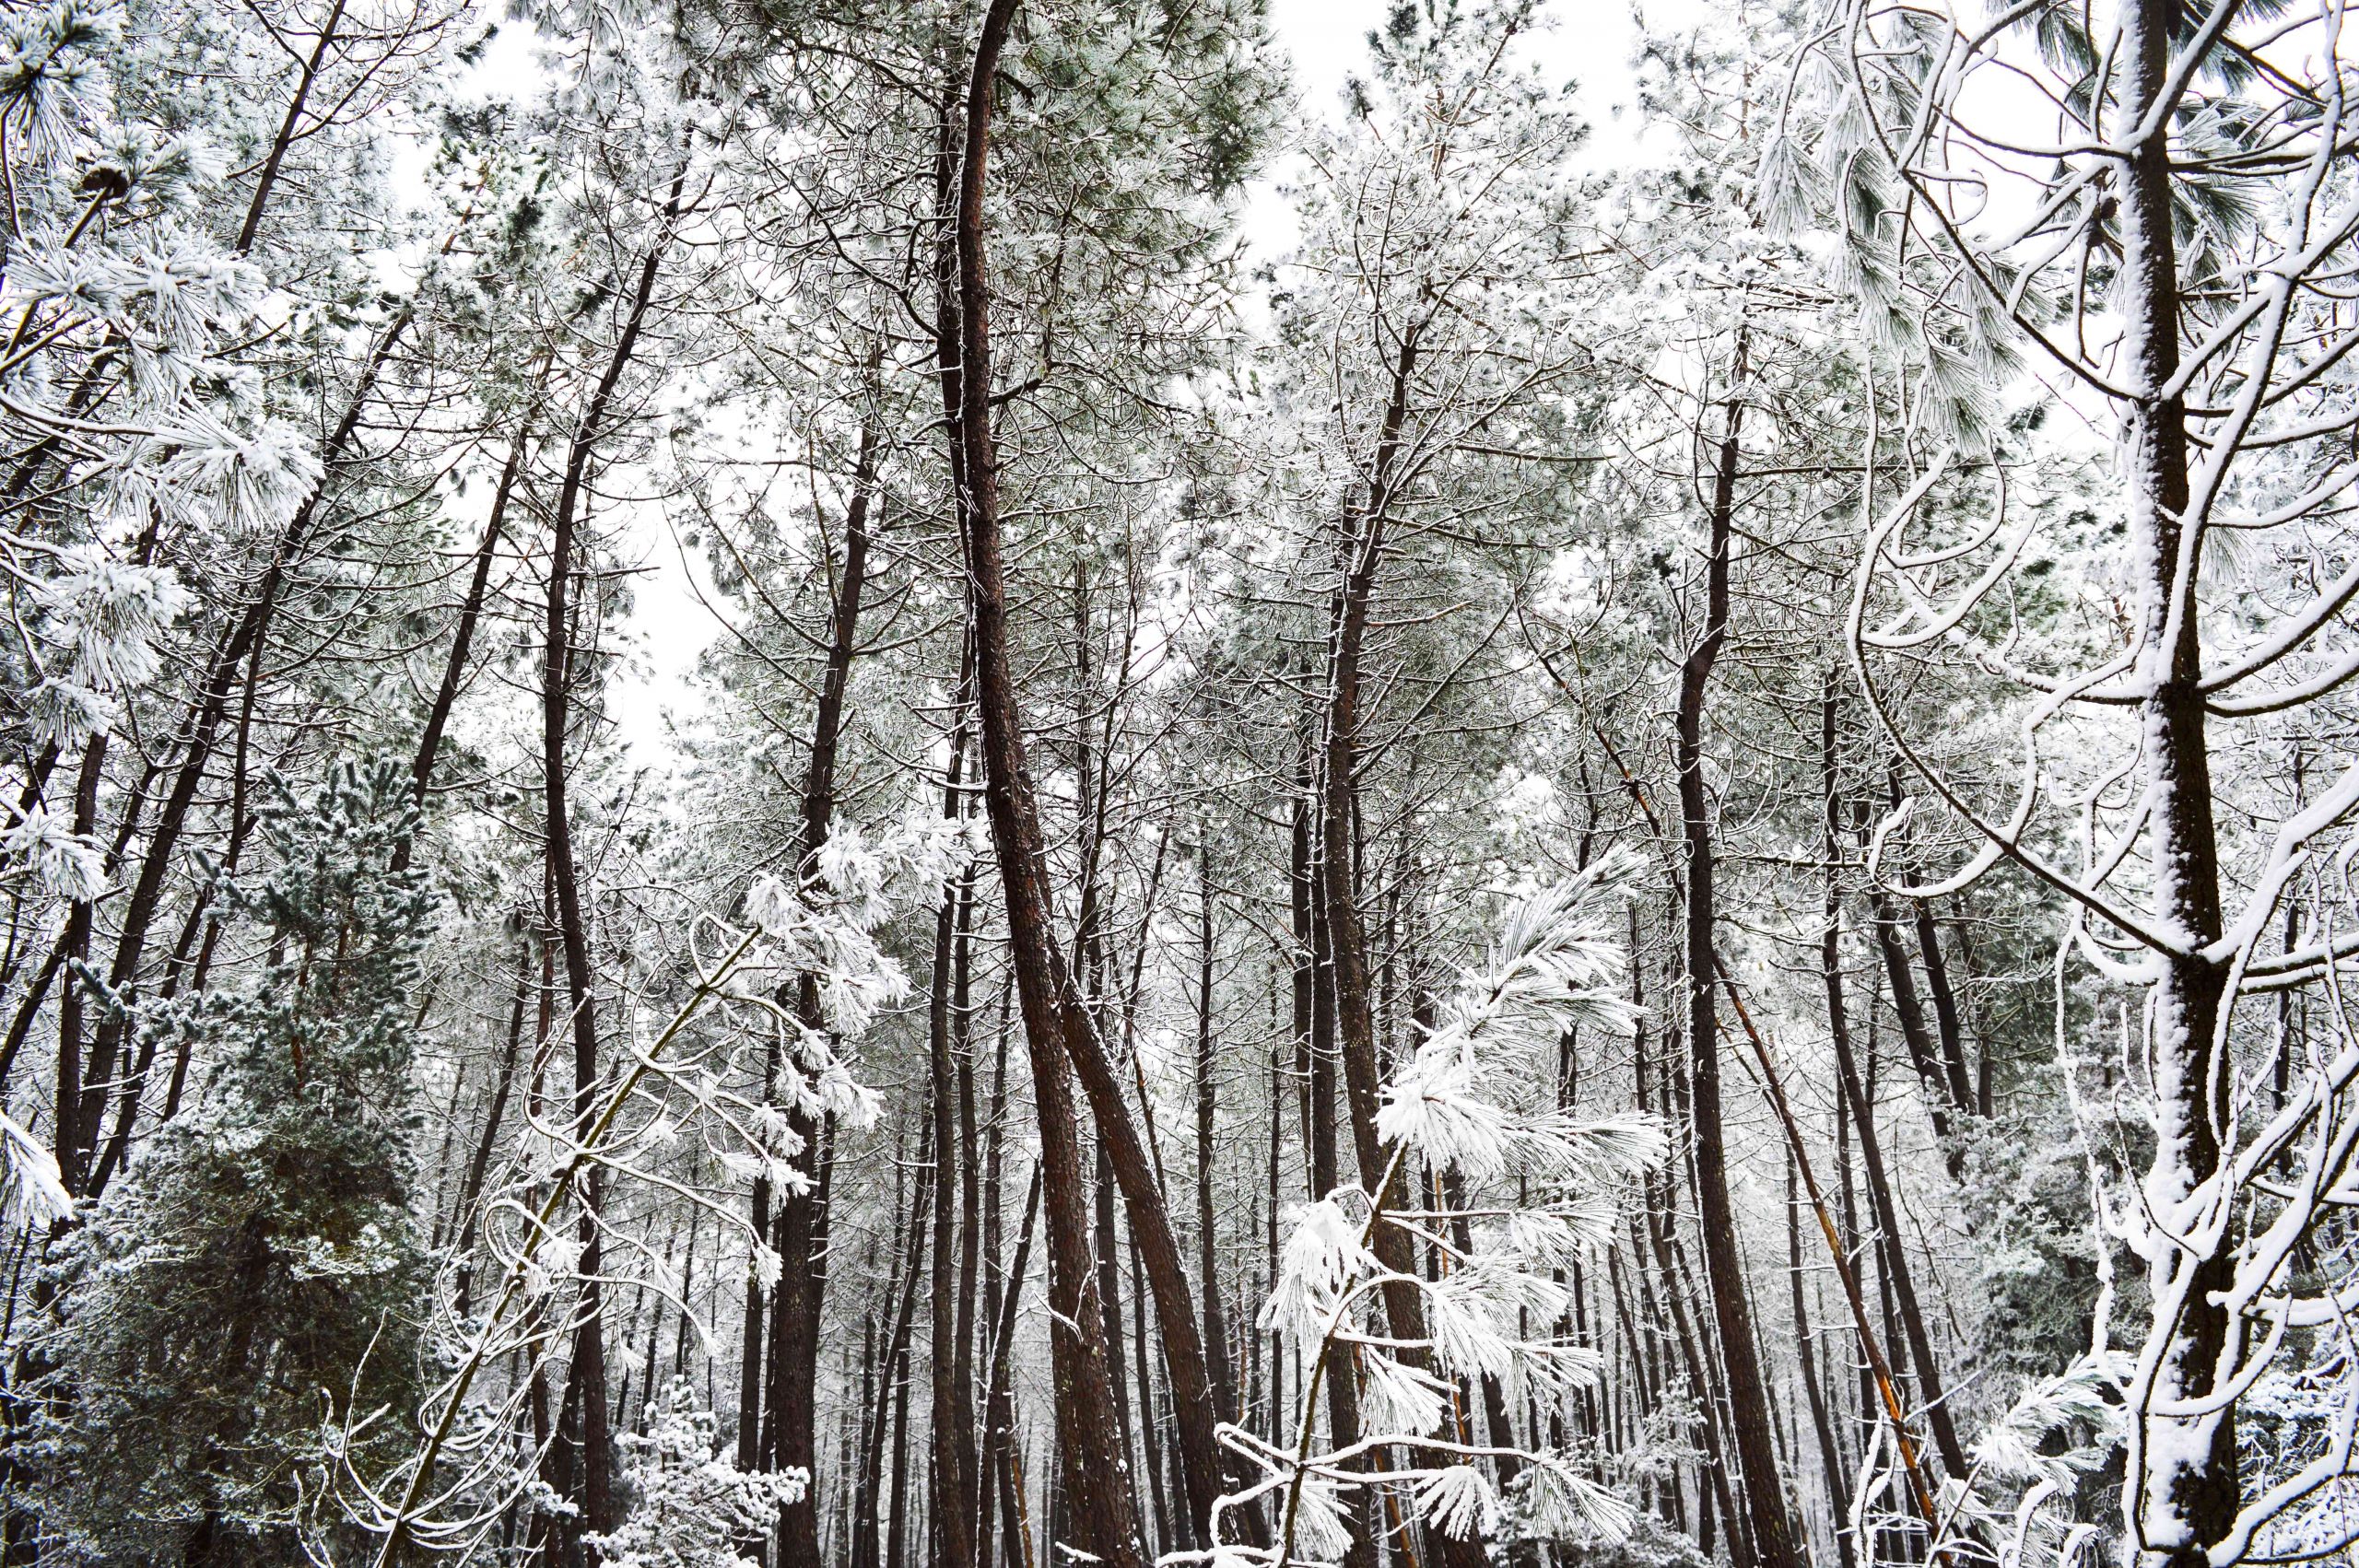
1938,1418
1098,1491
953,1362
589,1350
785,1434
1806,1368
463,635
2188,1497
1748,1394
1207,1243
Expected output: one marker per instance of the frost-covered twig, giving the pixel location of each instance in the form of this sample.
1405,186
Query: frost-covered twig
1475,1101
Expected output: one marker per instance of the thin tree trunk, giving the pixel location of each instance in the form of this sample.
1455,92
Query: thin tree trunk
471,1189
786,1432
893,1369
1098,1487
589,1350
463,635
1946,1008
1748,1394
999,1438
1207,1230
952,1363
1347,943
1909,1009
1887,1214
1660,1217
1806,1357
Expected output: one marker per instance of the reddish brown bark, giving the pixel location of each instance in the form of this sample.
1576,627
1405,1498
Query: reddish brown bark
1098,1495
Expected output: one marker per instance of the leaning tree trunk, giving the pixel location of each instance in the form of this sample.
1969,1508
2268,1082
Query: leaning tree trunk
1098,1487
1346,940
589,1349
1862,1106
1749,1427
785,1434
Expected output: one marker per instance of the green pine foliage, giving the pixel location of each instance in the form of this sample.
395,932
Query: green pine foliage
243,1315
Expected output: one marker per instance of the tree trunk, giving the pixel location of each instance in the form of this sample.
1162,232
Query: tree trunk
2188,1498
1097,1486
894,1369
1880,1200
1364,547
999,1437
953,1362
1223,1380
463,637
785,1434
1806,1358
479,1165
1740,1356
589,1350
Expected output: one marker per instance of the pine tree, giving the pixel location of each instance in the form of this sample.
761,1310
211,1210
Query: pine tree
240,1319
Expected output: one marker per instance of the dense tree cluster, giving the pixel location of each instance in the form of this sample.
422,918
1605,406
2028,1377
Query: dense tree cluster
1440,829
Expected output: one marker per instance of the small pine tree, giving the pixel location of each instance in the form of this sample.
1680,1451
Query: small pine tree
1475,1104
241,1316
694,1509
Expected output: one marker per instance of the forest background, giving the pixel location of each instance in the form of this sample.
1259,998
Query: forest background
929,784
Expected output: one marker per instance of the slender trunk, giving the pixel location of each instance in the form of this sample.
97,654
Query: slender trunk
784,1434
893,1367
478,1167
1339,906
1098,1487
276,160
1207,1245
971,1214
590,1347
1806,1357
463,635
1171,1524
1748,1394
999,1437
1946,1018
2188,1496
1699,1385
1909,1009
952,1369
71,1089
1886,1212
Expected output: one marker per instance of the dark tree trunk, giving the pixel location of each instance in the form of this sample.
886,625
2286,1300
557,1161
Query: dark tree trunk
1364,547
1880,1200
1945,1010
952,1362
1660,1211
590,1347
1223,1380
2191,1491
239,645
463,635
1909,1009
893,1369
480,1166
1806,1357
785,1434
1748,1394
999,1437
1097,1486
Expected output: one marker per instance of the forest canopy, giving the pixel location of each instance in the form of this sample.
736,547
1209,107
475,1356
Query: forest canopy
1022,783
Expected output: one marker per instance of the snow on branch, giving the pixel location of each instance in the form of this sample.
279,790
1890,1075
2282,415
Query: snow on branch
1530,1191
